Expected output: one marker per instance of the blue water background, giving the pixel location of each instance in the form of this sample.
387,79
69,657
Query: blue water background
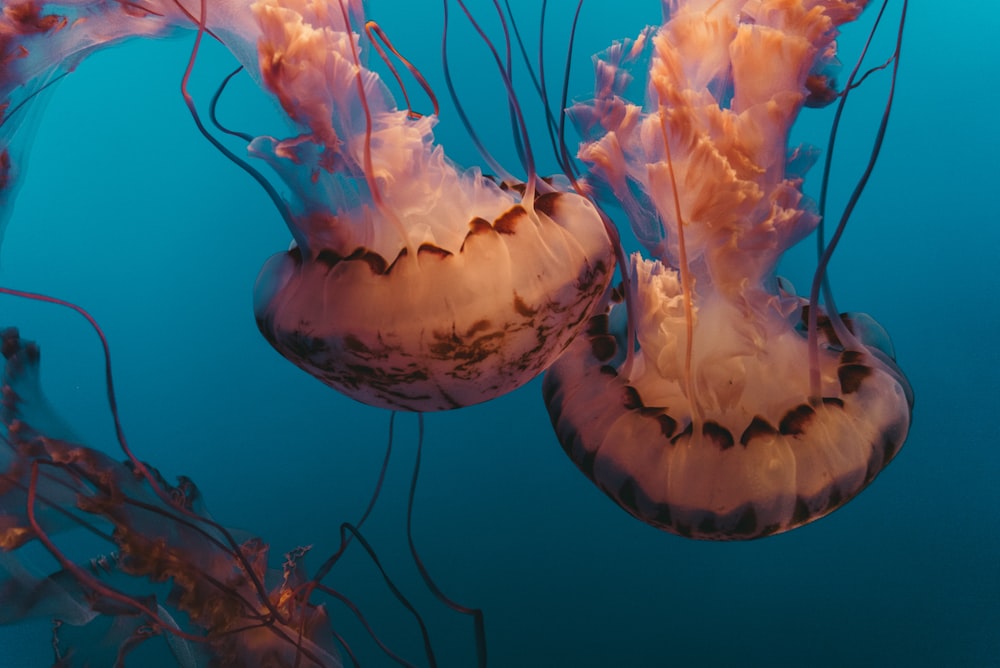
127,211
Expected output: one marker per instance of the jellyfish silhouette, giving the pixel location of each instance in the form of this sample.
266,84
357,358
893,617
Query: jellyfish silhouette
716,404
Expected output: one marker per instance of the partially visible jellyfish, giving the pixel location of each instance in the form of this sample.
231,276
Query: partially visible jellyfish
176,585
721,406
40,43
220,602
411,285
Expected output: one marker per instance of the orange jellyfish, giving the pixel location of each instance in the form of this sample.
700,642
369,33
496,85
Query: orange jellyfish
411,284
727,407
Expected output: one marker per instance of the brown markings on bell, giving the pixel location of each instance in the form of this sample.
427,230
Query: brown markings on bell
801,514
852,357
796,420
889,449
758,428
603,348
599,324
522,308
836,499
508,221
688,430
746,525
590,278
631,399
715,432
375,262
477,227
663,515
667,424
626,495
852,376
432,250
547,203
707,526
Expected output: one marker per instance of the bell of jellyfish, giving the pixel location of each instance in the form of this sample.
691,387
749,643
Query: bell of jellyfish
410,284
728,416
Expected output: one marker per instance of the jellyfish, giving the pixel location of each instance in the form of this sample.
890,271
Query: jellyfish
707,399
410,284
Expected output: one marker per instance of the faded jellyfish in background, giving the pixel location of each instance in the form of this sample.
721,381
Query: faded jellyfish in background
411,285
725,407
174,583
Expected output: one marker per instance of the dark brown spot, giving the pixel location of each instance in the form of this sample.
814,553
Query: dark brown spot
374,261
443,349
431,249
603,348
518,187
522,307
586,462
478,326
757,428
627,494
663,515
507,223
747,523
668,425
716,432
598,324
852,376
608,370
326,256
707,526
833,401
836,498
851,357
355,345
889,448
547,203
796,420
479,226
688,430
631,399
801,514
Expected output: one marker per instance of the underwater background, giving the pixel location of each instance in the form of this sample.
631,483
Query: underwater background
129,212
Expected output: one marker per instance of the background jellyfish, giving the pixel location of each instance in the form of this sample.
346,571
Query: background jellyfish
178,587
218,602
729,419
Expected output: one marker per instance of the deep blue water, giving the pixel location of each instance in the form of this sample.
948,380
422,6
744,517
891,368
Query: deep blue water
127,211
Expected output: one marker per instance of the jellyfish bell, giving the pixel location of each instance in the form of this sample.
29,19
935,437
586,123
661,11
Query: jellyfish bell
738,410
411,285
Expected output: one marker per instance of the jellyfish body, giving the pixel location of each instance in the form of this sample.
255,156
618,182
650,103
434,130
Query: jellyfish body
411,285
717,426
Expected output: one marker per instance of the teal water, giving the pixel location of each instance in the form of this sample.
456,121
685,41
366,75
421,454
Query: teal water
127,211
